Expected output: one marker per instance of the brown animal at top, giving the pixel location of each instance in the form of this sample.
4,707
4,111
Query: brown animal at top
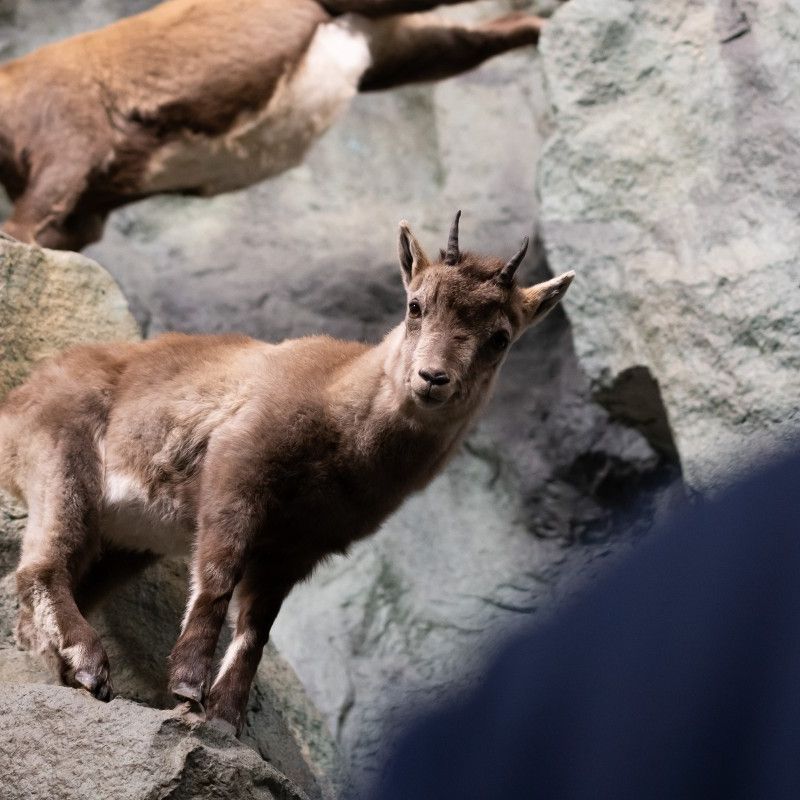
206,96
261,459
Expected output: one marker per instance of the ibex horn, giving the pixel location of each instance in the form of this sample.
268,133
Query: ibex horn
506,274
452,255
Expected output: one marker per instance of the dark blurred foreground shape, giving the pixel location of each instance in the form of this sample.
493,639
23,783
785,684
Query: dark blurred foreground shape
676,676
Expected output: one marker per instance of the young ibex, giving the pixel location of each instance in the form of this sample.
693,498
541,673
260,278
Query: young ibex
206,96
261,459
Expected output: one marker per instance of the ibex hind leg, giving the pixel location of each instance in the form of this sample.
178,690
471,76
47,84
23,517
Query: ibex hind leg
60,543
413,48
51,211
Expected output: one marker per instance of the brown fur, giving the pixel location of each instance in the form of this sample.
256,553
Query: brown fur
162,101
262,459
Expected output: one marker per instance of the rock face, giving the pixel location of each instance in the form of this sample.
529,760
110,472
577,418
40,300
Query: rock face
528,503
48,301
670,187
58,742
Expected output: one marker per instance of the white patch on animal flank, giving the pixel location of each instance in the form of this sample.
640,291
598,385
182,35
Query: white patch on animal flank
131,520
239,644
122,488
305,103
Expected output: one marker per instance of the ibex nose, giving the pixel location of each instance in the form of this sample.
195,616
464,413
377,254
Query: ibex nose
437,378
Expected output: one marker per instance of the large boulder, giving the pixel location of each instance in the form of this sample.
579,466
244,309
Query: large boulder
59,742
49,300
670,186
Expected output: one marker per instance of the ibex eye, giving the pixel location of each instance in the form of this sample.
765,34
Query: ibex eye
499,340
414,308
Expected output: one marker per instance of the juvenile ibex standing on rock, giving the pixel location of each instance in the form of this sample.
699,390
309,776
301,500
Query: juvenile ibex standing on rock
261,459
206,96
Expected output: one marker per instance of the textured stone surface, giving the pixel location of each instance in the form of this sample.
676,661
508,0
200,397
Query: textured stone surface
59,742
50,300
670,185
411,614
138,625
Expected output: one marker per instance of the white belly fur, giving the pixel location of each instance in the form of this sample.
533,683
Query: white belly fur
277,137
130,521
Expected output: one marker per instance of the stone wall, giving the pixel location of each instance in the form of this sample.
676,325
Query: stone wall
669,185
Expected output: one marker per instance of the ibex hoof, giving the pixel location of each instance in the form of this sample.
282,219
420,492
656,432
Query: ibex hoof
194,694
98,686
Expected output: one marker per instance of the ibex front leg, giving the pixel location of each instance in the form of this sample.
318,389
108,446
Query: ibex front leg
60,543
258,600
423,47
223,542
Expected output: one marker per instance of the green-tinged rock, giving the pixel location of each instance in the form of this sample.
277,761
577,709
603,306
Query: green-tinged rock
670,186
50,300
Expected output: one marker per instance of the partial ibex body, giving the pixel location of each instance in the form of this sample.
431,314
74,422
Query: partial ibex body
260,459
205,96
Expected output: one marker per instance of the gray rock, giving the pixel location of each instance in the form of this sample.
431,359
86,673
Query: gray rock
48,301
670,185
414,611
59,742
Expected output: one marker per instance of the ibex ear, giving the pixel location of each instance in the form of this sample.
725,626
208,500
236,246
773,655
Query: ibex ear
412,257
541,298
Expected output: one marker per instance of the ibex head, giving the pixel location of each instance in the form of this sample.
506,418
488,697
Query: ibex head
463,313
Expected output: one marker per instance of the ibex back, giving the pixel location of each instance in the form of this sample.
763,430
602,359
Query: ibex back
206,96
260,459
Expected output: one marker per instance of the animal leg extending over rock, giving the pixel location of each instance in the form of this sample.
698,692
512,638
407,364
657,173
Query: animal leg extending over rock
61,541
218,563
48,213
408,49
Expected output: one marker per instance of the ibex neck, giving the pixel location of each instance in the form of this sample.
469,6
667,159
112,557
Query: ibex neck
372,400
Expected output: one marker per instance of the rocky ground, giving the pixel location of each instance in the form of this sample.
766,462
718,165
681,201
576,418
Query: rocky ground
667,129
71,746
